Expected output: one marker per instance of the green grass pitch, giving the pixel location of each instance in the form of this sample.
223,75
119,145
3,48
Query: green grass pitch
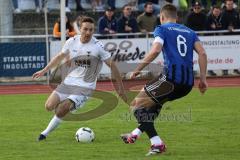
194,128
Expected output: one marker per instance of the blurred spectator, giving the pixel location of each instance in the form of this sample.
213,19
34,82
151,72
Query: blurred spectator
134,4
78,5
214,19
204,3
37,6
223,6
67,9
147,21
57,29
156,5
196,20
111,3
127,23
16,7
231,21
18,10
97,5
107,24
230,17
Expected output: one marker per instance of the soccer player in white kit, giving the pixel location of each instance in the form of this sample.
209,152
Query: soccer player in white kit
87,56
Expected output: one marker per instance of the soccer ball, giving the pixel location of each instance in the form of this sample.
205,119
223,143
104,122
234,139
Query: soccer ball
85,135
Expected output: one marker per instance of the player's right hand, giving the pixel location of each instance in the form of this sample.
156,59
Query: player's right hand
202,86
38,74
134,74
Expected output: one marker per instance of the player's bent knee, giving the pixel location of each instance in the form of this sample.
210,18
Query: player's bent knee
63,108
49,106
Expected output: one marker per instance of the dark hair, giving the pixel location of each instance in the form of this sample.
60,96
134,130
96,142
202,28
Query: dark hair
216,7
169,11
227,0
68,24
126,5
147,3
86,19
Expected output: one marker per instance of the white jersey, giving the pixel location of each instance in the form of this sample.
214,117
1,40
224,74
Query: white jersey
87,60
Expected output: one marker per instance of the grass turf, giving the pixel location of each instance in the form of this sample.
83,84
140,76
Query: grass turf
195,127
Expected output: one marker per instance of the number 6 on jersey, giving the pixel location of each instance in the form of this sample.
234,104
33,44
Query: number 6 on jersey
181,45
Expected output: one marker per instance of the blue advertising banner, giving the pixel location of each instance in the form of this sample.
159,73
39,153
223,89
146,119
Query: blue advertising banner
21,59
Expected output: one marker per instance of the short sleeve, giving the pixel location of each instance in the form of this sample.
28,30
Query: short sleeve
195,37
66,46
104,55
159,35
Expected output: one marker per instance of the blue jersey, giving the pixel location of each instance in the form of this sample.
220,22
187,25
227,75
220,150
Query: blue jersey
178,44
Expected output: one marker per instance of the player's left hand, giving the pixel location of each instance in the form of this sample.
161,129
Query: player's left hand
202,86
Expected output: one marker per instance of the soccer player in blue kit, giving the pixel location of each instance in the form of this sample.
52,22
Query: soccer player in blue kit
177,43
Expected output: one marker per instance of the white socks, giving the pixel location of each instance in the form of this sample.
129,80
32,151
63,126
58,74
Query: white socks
137,132
156,140
52,125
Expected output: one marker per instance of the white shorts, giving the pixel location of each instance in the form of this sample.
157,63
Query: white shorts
78,95
79,100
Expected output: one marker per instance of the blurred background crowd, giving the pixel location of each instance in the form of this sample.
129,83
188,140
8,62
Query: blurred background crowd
130,16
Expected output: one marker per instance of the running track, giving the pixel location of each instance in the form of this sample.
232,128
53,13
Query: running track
107,86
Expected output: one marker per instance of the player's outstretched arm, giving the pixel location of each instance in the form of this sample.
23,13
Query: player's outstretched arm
153,53
54,62
202,60
116,74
